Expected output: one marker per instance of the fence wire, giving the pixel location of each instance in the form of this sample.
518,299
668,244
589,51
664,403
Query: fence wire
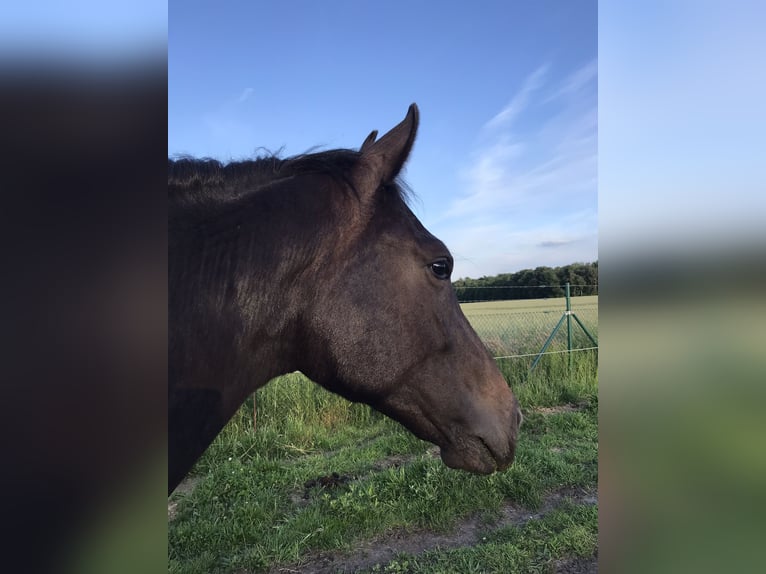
510,332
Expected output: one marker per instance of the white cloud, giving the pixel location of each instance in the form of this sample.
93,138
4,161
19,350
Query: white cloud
246,94
519,102
530,193
230,125
576,81
489,246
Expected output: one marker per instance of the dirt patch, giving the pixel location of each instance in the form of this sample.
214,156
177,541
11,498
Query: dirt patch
397,460
187,485
568,408
330,481
182,489
468,532
576,565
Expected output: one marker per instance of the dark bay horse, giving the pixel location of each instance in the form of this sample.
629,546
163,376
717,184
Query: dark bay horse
315,263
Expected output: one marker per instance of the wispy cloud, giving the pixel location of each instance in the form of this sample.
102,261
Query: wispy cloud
230,125
520,100
246,94
529,191
489,245
555,242
576,81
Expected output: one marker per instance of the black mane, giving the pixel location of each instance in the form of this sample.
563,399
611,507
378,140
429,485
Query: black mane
204,182
192,180
191,173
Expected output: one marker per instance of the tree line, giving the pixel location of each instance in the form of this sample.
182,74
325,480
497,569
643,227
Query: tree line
537,283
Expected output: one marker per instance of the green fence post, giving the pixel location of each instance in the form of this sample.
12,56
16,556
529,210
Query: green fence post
547,342
568,313
592,340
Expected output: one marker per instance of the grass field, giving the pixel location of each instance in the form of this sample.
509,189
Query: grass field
326,486
512,328
551,305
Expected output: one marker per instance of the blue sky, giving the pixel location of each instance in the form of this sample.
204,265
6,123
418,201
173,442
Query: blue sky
504,167
681,127
88,30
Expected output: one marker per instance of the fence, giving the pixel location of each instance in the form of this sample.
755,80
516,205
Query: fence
524,327
514,292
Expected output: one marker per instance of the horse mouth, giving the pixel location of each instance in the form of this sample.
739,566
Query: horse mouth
500,465
475,455
475,450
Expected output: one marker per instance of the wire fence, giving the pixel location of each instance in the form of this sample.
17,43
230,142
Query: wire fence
514,292
522,327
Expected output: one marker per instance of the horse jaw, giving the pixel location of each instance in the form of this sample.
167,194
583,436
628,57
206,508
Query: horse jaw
479,449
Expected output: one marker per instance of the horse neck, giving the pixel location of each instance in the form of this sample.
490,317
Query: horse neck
252,266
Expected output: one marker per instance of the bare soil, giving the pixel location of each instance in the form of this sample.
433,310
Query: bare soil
185,487
576,566
568,408
467,532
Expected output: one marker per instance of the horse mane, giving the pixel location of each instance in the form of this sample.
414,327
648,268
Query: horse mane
188,173
201,183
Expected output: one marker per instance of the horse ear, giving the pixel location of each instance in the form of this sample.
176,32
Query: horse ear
382,160
368,141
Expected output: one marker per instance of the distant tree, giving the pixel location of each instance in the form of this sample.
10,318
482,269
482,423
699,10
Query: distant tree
528,283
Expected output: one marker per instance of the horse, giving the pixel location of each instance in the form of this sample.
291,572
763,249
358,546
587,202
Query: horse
315,263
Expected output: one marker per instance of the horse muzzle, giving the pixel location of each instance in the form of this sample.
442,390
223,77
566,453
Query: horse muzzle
489,450
476,455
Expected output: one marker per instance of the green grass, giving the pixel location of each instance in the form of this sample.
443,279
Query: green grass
255,506
553,381
570,531
260,500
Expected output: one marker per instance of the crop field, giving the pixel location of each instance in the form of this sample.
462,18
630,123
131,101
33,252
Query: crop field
551,305
317,484
510,328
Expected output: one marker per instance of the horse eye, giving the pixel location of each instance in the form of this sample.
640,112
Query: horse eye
441,269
